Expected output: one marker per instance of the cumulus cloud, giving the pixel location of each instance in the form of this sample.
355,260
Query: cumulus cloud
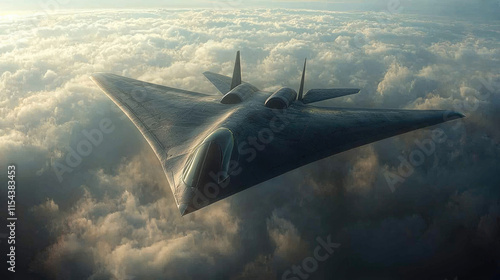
112,215
286,239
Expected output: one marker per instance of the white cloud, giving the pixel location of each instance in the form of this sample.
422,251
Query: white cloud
286,238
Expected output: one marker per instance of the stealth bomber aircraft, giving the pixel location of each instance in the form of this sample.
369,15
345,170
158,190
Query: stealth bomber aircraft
212,147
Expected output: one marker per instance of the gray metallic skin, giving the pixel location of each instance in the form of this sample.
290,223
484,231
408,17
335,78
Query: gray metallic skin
211,148
281,98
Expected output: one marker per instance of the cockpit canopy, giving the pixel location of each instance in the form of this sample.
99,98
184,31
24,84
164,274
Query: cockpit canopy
210,160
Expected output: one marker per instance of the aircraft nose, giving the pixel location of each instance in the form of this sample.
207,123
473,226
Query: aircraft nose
183,208
185,199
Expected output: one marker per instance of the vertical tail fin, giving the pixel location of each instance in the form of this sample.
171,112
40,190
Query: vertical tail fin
237,72
301,89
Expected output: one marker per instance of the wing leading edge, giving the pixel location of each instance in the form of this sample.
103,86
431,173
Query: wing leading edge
313,133
168,118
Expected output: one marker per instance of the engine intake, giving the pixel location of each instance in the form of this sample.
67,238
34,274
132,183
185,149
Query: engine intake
281,98
238,94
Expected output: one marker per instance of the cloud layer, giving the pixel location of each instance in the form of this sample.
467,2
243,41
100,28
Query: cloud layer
112,215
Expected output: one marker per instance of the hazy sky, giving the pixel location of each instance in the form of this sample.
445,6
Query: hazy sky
474,8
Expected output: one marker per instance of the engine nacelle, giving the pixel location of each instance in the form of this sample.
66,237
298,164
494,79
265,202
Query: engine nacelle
238,94
281,98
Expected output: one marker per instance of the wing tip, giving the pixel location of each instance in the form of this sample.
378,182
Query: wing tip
452,115
95,76
98,74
